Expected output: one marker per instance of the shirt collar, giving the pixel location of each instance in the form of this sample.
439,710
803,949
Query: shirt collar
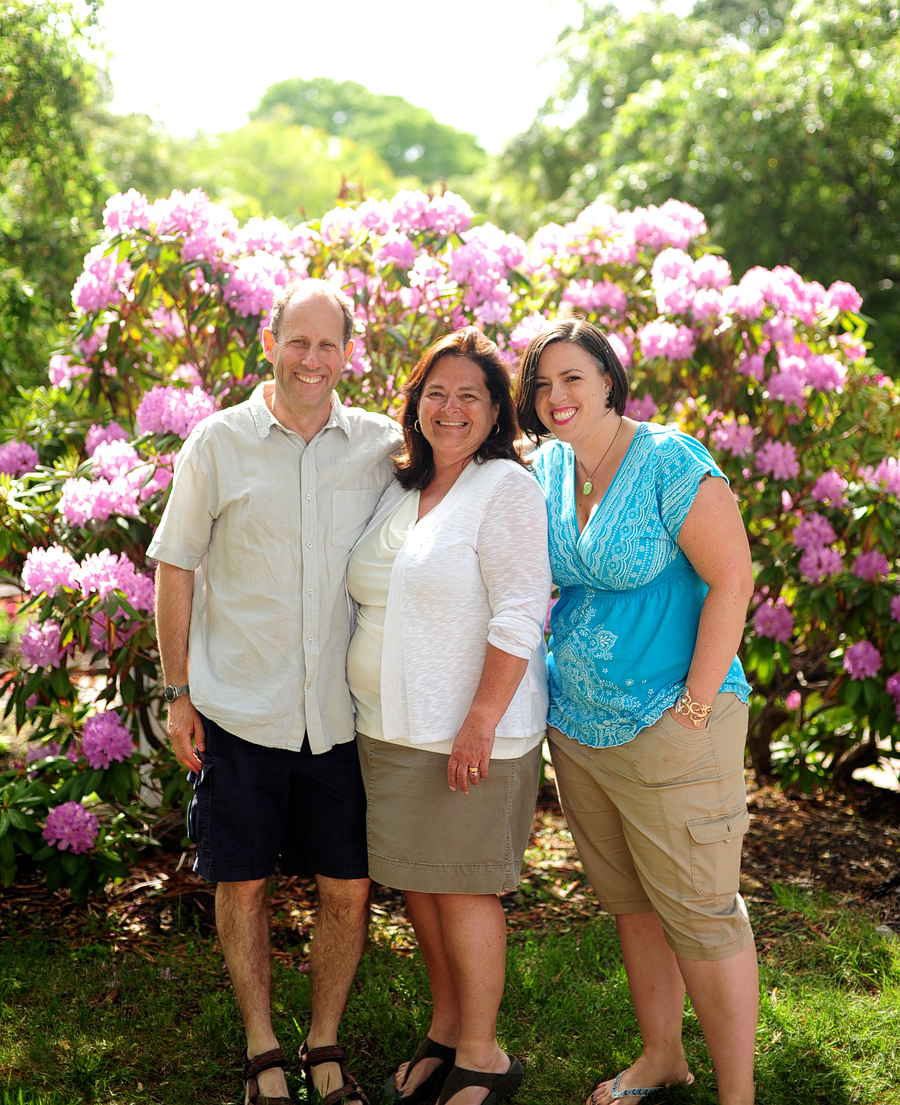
264,420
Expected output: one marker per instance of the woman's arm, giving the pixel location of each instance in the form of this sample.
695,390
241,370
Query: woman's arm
515,568
500,677
714,540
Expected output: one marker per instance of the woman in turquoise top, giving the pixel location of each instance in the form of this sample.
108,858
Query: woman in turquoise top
648,714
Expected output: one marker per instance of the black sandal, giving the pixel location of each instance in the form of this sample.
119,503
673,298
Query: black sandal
252,1067
312,1057
500,1085
425,1091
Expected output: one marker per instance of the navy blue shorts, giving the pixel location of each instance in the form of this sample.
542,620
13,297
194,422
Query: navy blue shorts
255,808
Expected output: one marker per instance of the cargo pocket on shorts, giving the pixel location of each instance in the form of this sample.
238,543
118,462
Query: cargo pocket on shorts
200,808
716,851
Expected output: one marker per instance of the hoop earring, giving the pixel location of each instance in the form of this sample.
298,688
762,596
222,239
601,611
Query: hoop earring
495,431
417,427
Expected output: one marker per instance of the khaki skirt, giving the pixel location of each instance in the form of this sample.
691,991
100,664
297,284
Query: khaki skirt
424,837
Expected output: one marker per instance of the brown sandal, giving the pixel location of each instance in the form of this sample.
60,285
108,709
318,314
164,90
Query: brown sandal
252,1067
312,1057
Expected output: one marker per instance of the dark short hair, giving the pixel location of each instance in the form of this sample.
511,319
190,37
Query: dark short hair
577,331
415,465
311,287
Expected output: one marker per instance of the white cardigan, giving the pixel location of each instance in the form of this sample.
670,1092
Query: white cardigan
475,570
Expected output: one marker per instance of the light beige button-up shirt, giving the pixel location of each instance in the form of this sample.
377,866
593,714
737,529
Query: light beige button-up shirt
266,523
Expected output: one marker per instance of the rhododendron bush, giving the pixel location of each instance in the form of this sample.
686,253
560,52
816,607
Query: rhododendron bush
770,371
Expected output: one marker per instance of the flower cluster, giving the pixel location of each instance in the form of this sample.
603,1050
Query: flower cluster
17,458
40,645
63,373
774,619
104,739
46,570
104,282
862,660
172,410
778,459
72,826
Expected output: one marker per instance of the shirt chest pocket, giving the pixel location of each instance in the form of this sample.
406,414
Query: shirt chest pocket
350,511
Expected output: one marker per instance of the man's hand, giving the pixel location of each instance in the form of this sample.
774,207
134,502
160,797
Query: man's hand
185,731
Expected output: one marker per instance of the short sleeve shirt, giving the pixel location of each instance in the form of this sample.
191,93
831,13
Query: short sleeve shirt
266,522
624,628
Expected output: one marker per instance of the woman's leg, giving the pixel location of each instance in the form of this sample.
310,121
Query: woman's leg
463,942
725,997
444,1029
657,990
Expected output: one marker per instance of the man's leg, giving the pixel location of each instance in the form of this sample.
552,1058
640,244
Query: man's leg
339,936
243,925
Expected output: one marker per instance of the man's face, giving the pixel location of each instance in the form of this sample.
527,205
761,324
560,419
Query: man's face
308,356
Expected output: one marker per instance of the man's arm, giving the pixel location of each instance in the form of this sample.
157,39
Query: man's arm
174,596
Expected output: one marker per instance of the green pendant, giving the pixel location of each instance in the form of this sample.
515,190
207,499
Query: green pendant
588,488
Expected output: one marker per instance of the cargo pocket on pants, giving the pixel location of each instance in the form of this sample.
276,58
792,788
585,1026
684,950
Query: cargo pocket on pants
716,851
199,810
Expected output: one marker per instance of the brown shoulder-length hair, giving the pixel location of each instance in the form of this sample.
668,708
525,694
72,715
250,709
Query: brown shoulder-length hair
415,465
577,331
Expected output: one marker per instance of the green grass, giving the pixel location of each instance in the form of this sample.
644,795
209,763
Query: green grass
101,1023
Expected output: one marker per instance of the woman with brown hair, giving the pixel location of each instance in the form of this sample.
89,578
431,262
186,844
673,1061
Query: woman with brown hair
447,669
648,702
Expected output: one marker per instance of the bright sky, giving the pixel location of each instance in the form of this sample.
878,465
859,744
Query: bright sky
204,64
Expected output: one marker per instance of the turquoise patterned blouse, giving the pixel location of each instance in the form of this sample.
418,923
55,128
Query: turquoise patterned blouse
624,628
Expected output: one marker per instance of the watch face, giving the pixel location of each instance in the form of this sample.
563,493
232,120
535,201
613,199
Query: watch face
169,694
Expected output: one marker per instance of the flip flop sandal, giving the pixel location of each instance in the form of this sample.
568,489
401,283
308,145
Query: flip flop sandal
252,1067
500,1085
425,1091
349,1091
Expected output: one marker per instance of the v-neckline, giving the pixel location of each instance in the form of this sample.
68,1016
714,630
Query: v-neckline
597,507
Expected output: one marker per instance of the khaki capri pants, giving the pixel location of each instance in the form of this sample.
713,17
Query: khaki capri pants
659,823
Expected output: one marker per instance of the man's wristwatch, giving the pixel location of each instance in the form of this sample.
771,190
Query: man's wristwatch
172,692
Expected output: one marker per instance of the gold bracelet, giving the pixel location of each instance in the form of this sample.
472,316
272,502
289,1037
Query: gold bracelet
698,712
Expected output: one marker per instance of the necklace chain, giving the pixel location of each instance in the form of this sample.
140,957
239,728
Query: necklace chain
588,484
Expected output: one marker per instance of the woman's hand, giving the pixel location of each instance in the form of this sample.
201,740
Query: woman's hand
684,721
471,755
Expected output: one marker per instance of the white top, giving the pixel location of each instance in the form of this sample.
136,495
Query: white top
475,570
266,522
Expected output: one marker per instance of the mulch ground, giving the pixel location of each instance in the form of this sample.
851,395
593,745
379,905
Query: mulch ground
845,845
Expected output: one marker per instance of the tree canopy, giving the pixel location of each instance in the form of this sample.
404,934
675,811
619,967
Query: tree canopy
407,138
781,125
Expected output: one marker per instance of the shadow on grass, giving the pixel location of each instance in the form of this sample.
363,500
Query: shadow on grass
102,1023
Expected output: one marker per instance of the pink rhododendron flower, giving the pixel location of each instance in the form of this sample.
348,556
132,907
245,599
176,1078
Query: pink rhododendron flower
752,365
72,826
104,739
622,344
711,271
83,500
673,224
103,283
895,608
826,373
854,350
46,570
269,235
171,410
126,211
829,488
665,339
35,752
862,660
103,572
588,296
672,264
525,330
395,249
886,475
17,458
871,565
97,435
39,645
892,685
773,619
779,460
813,532
844,297
792,701
115,458
819,564
63,373
787,387
733,437
253,282
641,410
